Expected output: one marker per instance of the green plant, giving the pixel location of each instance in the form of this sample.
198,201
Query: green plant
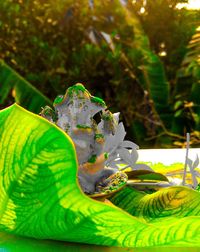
22,91
187,106
116,50
41,198
76,42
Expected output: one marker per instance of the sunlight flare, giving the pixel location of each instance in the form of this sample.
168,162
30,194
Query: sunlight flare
192,4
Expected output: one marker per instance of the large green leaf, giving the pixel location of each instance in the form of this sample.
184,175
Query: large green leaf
137,60
156,82
40,196
13,243
173,202
153,77
24,93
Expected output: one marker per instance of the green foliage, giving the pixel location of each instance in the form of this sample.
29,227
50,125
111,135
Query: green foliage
40,196
14,243
169,30
187,106
74,42
115,50
23,92
173,202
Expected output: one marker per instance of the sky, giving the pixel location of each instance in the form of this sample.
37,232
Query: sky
192,4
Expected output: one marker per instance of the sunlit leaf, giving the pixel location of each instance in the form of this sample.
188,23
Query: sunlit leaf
40,196
174,201
24,93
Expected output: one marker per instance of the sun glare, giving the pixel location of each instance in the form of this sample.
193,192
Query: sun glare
192,4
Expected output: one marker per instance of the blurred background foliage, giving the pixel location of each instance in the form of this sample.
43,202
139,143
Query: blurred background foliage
142,57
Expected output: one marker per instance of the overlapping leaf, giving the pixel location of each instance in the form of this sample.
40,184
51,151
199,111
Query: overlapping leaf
173,202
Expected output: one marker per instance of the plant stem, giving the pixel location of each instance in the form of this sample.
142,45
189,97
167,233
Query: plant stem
186,157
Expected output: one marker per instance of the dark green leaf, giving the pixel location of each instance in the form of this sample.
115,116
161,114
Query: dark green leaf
24,93
146,175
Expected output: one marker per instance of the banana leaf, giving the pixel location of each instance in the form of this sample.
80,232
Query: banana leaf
188,88
136,56
24,93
